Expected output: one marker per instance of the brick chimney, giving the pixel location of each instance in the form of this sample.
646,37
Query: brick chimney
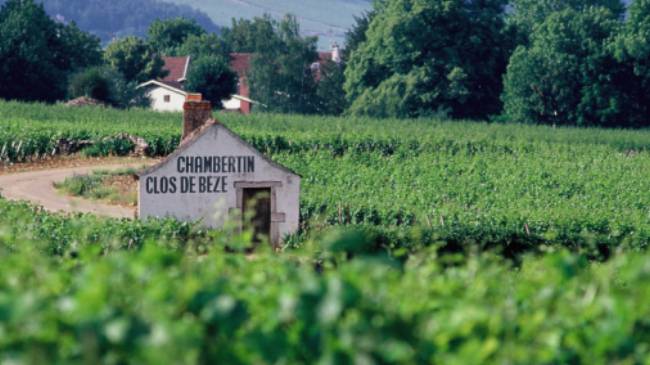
196,113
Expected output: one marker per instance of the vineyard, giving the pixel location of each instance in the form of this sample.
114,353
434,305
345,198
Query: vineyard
422,241
411,183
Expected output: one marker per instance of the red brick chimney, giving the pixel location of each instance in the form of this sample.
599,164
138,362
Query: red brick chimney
196,113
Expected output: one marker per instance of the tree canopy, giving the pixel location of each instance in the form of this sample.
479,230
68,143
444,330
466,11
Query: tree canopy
632,48
245,35
330,97
212,77
422,57
527,13
93,83
106,84
208,44
135,59
39,54
577,62
281,76
356,35
567,75
166,36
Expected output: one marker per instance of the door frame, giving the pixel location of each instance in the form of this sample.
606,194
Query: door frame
276,217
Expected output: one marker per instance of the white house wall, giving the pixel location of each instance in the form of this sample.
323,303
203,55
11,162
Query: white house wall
157,96
213,209
232,104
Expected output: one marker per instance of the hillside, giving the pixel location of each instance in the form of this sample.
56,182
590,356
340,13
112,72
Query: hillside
328,20
119,18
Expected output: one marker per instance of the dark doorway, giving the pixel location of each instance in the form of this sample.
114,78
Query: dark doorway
257,212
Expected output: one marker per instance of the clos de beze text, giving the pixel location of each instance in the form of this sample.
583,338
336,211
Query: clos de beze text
200,175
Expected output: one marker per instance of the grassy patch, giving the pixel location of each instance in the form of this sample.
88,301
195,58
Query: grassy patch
115,187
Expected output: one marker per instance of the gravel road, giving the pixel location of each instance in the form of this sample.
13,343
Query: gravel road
37,187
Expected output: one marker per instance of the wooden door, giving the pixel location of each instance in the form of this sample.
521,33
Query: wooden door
257,212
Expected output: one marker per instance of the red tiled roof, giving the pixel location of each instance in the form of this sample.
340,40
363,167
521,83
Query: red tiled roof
240,63
177,66
323,57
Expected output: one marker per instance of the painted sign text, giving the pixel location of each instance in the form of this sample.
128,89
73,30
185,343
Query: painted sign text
197,175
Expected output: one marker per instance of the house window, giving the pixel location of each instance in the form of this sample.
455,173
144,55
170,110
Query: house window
168,98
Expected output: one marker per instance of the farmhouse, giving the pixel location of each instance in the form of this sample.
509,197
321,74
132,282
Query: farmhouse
164,96
169,93
214,177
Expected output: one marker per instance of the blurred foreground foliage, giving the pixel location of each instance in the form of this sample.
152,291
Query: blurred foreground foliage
160,292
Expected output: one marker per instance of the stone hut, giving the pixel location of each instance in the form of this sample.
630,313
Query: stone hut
215,176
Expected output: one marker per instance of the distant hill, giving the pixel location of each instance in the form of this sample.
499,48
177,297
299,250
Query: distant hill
328,19
117,18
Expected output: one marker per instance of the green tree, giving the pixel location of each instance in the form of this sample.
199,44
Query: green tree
135,59
356,35
249,36
330,95
631,48
77,49
38,54
92,83
212,77
167,35
203,45
105,84
567,75
281,76
526,14
423,57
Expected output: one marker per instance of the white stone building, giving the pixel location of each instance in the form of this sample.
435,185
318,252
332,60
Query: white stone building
164,96
168,94
215,176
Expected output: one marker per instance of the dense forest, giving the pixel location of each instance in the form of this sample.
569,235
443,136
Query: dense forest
119,18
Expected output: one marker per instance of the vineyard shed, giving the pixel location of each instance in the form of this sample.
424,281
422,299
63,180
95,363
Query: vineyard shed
215,177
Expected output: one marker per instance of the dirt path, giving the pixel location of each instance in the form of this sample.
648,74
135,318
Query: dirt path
38,187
